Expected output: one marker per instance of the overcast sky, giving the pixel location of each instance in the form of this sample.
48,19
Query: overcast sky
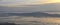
25,2
42,7
18,1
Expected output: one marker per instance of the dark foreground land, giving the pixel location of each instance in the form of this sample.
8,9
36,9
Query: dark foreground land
6,23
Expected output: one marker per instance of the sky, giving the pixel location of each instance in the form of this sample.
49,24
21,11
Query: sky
16,2
43,5
25,2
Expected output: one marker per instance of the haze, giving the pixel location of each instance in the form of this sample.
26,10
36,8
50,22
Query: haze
21,5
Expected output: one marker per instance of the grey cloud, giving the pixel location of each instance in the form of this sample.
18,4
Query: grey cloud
43,7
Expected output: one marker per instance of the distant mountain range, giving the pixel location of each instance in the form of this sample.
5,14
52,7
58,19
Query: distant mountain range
29,14
34,14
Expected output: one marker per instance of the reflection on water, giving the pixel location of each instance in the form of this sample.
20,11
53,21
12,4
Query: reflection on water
31,20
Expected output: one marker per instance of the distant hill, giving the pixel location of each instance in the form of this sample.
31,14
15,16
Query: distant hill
34,14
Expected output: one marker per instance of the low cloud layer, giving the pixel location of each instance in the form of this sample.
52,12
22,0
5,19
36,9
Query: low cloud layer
32,8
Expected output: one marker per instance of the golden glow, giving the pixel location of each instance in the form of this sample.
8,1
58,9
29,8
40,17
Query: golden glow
32,3
53,1
47,1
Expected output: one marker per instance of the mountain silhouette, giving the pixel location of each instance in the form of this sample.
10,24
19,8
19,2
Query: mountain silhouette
33,14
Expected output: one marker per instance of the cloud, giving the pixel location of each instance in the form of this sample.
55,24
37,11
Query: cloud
33,8
25,2
15,2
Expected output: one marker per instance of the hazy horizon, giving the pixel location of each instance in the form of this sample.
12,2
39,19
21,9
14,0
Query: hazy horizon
52,7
